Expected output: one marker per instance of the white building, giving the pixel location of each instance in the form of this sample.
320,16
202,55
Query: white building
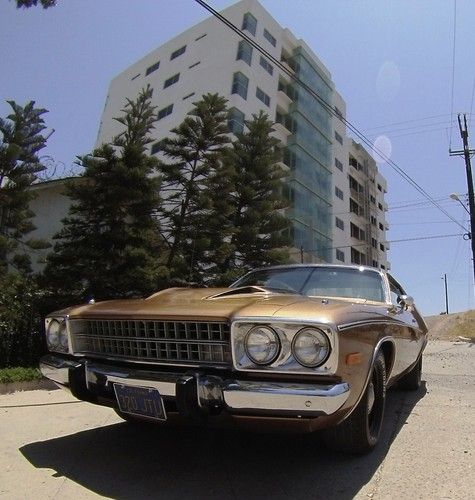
210,58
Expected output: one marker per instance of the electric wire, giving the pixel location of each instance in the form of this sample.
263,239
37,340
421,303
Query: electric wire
289,72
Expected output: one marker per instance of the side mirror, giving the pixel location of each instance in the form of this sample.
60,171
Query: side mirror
406,301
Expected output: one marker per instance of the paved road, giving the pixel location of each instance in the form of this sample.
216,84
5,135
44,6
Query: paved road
54,447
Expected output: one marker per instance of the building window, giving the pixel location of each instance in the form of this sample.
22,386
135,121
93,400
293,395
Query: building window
240,84
339,224
372,199
373,220
382,247
193,65
262,96
270,38
383,267
244,52
152,68
354,163
340,255
170,81
178,52
249,23
355,208
381,227
380,206
355,185
236,121
374,243
375,263
266,65
380,188
200,37
357,257
188,96
165,112
356,232
338,137
338,193
338,164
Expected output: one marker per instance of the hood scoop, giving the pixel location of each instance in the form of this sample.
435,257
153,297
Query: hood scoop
243,290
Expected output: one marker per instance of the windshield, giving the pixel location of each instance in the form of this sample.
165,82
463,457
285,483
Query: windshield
319,281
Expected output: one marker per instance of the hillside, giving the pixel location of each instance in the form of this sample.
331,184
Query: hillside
452,326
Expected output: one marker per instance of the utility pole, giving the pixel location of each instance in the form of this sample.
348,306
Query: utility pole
446,296
466,152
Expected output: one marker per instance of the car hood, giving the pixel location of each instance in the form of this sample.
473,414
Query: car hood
223,304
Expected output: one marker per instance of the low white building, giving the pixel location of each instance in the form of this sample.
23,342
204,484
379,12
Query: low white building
210,58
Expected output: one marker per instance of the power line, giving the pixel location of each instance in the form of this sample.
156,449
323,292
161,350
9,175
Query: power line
328,107
390,242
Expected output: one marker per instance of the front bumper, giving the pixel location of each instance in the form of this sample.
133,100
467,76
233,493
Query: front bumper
196,393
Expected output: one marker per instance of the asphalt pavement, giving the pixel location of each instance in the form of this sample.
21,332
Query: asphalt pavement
53,446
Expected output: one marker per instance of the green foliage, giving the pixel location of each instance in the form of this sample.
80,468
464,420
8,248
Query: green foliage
109,246
20,142
21,332
26,4
19,374
256,220
195,152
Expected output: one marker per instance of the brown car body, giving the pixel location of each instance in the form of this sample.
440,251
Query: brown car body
203,379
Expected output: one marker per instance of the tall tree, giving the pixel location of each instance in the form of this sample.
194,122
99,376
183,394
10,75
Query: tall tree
195,153
20,141
26,4
109,245
256,220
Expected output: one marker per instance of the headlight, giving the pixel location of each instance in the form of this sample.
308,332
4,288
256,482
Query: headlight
311,347
262,345
57,334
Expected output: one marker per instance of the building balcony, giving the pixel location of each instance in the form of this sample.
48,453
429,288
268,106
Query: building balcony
281,132
283,100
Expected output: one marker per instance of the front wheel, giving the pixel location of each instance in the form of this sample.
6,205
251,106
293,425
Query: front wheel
411,381
359,432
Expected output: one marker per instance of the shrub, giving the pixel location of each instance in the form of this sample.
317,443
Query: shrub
21,327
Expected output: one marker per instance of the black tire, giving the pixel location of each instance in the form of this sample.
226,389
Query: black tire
359,433
411,381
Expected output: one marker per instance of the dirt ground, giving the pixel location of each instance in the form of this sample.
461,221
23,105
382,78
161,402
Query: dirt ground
452,326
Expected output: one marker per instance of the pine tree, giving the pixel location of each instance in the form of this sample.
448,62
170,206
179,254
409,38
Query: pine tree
20,142
26,4
195,152
110,246
257,222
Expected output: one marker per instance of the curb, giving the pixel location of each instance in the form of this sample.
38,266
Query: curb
30,385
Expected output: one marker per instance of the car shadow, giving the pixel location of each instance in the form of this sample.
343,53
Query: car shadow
130,462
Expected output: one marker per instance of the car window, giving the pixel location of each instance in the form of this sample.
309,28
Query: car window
348,283
320,281
291,279
396,291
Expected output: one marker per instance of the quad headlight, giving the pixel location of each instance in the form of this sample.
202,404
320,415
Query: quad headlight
262,345
57,334
311,347
281,346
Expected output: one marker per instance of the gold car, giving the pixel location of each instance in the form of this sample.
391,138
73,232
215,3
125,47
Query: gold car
306,346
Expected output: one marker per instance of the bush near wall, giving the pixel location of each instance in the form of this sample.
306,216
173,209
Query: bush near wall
22,340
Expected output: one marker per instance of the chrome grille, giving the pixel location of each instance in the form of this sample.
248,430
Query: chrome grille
153,341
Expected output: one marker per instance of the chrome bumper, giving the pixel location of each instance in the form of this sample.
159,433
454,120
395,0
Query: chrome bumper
208,391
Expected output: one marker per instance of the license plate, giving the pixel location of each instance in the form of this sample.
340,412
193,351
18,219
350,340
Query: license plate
142,401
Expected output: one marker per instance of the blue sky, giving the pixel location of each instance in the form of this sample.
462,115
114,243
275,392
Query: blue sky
392,61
